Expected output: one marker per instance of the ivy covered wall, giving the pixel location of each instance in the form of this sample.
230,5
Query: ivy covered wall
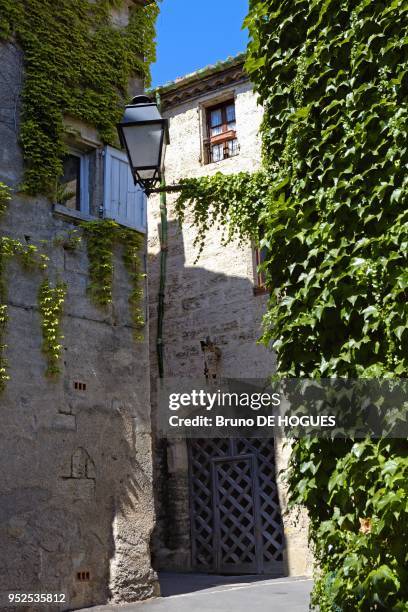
74,381
77,62
79,59
331,207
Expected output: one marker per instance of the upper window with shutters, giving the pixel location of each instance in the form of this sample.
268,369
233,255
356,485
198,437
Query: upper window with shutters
221,142
99,183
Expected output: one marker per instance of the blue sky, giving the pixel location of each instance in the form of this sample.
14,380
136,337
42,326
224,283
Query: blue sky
194,33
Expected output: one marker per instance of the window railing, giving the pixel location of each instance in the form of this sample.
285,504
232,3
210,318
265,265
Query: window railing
215,152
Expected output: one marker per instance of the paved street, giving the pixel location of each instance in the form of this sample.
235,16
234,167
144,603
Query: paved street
202,593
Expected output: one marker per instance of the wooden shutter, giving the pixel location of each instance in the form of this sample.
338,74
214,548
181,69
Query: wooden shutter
123,201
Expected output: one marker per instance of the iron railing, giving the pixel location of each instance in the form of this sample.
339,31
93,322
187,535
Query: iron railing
214,153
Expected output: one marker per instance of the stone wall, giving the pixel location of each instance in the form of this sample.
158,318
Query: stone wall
212,298
76,501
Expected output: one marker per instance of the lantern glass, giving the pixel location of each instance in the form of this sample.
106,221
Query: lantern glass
144,134
147,175
144,144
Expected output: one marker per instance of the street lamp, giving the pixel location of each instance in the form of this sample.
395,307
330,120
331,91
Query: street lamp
144,134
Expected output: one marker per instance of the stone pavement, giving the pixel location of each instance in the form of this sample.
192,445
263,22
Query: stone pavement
205,593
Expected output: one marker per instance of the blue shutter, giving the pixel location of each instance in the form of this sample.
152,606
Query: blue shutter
123,201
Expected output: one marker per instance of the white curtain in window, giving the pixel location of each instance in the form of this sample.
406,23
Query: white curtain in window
216,122
232,147
230,113
231,124
217,152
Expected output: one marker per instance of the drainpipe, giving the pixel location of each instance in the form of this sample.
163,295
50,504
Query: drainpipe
163,268
162,284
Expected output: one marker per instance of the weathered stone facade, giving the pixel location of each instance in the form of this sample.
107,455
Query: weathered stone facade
214,299
76,500
77,510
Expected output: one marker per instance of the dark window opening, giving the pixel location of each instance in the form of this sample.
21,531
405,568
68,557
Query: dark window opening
221,142
69,192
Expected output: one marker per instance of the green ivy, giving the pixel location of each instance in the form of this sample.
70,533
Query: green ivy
132,243
361,545
5,197
50,299
69,240
101,237
29,257
333,214
229,202
78,63
51,302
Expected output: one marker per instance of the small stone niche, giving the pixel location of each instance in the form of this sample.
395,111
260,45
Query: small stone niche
212,358
82,465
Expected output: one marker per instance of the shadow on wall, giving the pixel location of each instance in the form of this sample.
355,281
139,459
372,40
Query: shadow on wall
76,501
203,309
202,304
62,503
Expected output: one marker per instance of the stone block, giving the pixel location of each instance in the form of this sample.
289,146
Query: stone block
65,422
76,489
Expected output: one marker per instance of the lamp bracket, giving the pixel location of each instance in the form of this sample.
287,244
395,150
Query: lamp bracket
166,189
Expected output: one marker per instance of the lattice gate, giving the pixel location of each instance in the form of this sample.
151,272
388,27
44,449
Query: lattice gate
235,515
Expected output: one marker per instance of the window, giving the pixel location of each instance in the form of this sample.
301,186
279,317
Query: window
221,141
80,192
123,200
73,191
260,255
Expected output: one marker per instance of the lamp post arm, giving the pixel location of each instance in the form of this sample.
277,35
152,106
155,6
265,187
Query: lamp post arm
164,189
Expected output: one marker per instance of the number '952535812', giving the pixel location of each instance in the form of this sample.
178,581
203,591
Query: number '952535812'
24,598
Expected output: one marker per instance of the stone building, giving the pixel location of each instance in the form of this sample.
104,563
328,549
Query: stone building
212,320
77,508
76,500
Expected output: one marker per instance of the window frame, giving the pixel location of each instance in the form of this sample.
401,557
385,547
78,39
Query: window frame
225,136
84,168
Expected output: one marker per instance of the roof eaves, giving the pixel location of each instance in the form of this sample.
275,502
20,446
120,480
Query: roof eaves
199,74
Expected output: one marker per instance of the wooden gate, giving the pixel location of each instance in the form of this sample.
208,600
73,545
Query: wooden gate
235,515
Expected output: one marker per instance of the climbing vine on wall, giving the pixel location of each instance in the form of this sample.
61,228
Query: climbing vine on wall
334,82
132,243
101,237
77,62
230,202
4,199
51,301
30,258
